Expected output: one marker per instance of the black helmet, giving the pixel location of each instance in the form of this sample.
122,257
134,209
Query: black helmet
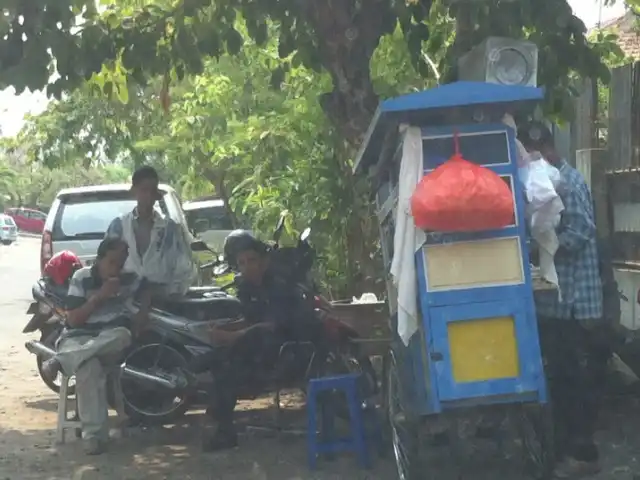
241,241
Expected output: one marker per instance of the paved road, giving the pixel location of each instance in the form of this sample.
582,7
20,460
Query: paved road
19,268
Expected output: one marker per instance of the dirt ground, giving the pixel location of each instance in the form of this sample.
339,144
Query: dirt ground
28,450
28,416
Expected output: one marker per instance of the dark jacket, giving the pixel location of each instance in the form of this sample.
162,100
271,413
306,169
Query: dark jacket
275,300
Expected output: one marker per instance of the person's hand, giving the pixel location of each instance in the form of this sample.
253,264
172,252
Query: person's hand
109,288
264,326
219,336
140,322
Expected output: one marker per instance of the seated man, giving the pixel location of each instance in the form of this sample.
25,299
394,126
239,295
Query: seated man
100,319
276,312
160,250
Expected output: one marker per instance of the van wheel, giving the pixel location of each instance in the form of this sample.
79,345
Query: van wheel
7,242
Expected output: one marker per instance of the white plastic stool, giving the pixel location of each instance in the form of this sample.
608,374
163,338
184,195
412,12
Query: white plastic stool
64,422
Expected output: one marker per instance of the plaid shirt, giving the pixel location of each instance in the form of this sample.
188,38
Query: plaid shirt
577,260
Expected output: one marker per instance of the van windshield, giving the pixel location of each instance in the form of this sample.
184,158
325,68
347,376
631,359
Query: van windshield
89,216
209,218
7,220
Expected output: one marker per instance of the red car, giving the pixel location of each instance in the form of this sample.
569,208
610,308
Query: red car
28,220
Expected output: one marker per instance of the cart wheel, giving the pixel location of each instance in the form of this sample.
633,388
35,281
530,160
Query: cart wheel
405,433
535,425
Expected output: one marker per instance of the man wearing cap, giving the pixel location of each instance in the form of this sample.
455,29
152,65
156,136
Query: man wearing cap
159,248
570,321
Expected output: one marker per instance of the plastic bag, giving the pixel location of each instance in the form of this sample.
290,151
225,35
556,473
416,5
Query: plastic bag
462,196
544,205
537,184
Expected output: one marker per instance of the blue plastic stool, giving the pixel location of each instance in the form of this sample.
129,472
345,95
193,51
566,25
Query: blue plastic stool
357,441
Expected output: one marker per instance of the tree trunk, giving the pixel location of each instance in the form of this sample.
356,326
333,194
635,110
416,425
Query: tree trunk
217,178
348,36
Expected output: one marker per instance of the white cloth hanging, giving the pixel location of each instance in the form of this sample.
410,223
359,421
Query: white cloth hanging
544,205
407,238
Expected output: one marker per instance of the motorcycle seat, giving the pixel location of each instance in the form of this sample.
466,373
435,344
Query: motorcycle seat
216,304
199,292
204,298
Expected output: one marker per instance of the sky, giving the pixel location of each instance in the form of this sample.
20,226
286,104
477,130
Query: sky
13,108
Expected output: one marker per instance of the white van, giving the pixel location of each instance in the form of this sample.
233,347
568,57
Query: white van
79,218
210,221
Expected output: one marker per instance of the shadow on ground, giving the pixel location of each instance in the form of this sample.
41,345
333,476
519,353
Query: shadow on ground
43,404
173,452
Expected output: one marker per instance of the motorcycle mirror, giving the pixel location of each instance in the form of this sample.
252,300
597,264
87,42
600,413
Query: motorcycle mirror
279,228
305,234
221,270
199,246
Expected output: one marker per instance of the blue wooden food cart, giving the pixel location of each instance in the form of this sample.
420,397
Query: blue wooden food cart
477,346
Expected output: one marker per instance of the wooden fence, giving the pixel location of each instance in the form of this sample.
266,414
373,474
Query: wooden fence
623,136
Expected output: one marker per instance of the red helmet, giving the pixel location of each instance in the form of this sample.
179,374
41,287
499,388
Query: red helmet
62,266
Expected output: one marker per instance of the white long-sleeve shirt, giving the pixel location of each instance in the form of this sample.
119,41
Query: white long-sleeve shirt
168,259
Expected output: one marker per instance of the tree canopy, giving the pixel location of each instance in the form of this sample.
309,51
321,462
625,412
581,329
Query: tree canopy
35,186
231,135
113,41
243,121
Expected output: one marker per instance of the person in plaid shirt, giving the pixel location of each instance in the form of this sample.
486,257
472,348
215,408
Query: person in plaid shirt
570,322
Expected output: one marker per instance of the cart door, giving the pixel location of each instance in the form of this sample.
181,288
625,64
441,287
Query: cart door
485,350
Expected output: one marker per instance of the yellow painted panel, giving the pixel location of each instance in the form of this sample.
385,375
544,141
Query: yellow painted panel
483,349
481,263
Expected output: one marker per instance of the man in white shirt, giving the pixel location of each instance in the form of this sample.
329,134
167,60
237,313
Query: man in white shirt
159,249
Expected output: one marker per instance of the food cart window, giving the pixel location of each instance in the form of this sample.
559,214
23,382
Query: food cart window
485,148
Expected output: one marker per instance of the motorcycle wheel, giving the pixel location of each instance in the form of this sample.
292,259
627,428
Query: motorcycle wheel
154,406
49,336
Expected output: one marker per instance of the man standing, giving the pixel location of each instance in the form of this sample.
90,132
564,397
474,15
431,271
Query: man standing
159,249
100,319
569,321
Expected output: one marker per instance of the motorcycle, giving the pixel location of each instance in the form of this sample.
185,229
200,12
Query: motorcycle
156,381
47,315
199,304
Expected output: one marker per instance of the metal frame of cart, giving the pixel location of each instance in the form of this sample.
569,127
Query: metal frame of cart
477,346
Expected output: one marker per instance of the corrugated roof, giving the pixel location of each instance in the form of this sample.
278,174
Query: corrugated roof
626,27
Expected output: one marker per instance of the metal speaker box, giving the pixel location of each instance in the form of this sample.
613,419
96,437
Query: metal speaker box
501,60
